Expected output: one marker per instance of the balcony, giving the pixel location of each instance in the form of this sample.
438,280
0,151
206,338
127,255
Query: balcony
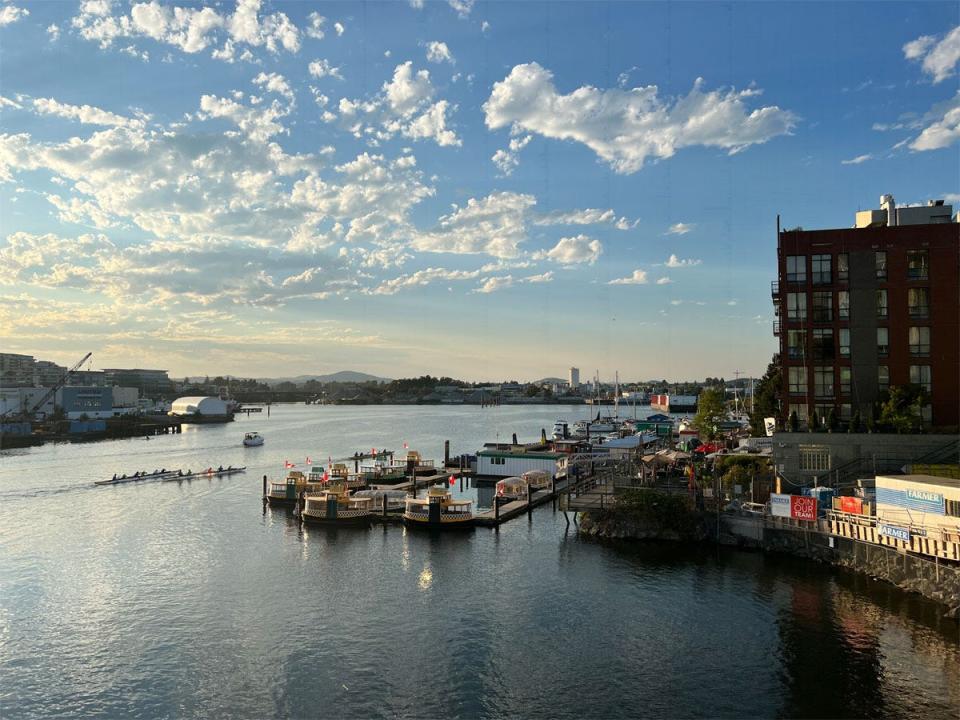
775,289
776,328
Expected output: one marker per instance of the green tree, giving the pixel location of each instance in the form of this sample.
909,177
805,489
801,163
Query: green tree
710,412
794,421
900,410
856,425
766,397
814,424
833,420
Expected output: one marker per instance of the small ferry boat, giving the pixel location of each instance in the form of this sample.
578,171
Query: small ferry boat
512,488
416,465
438,510
287,491
252,439
395,499
338,473
336,506
537,479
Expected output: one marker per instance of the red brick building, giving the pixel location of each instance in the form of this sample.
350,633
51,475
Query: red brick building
863,309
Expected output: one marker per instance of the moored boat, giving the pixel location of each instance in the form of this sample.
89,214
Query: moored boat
438,510
287,491
537,479
512,488
336,506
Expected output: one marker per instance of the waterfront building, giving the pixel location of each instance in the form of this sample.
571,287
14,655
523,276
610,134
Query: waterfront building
47,374
148,382
91,402
508,461
574,378
16,370
199,407
860,310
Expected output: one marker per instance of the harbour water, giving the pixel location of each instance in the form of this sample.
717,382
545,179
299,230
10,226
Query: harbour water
185,599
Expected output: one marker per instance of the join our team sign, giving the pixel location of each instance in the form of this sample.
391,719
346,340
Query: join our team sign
797,507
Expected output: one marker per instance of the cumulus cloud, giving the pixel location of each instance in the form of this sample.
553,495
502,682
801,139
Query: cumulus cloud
941,126
275,83
501,282
638,277
189,29
626,127
674,262
405,107
9,14
463,7
53,32
573,250
423,278
83,113
508,160
315,28
857,160
494,225
321,68
937,57
664,280
680,228
438,52
339,28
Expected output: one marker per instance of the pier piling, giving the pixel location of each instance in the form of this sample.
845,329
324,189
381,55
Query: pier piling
264,487
446,453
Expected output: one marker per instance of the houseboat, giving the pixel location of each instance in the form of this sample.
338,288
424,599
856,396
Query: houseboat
335,506
438,510
287,491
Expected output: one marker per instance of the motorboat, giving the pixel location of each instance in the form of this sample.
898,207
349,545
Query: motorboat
252,439
438,510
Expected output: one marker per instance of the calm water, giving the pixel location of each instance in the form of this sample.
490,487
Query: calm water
188,599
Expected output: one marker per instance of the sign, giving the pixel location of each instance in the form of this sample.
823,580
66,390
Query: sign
780,505
851,505
770,425
895,532
803,508
931,500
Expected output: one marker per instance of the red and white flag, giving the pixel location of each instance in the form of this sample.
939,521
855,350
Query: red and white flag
404,446
288,464
309,461
326,477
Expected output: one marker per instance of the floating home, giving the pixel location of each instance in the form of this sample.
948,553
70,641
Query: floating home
512,460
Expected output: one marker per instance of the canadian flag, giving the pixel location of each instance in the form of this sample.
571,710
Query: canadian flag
288,464
326,477
309,461
404,446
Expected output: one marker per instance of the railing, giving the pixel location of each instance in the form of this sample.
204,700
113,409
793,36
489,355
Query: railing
775,288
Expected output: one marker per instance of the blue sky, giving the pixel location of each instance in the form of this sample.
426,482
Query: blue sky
483,190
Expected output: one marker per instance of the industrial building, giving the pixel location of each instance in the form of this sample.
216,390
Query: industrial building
201,409
16,370
860,310
151,383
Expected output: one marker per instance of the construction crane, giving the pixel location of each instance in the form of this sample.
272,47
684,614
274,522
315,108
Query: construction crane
59,384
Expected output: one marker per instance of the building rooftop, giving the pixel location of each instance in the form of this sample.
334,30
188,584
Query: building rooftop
923,480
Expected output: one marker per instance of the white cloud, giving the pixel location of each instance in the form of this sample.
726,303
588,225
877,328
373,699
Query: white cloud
939,57
53,32
463,7
416,4
321,68
639,277
942,126
484,27
9,14
315,28
339,28
275,83
674,262
680,228
493,284
588,216
951,198
625,127
83,113
573,250
438,52
857,160
405,107
422,278
190,29
664,280
259,124
494,225
508,160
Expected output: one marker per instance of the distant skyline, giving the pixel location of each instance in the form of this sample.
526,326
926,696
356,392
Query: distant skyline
478,190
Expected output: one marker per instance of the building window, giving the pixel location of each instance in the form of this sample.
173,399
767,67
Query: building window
881,303
920,375
883,341
844,381
843,266
918,302
796,306
823,307
823,382
951,507
820,267
844,342
880,259
883,377
920,341
796,268
822,345
800,410
823,413
796,344
797,379
845,412
814,458
918,265
843,305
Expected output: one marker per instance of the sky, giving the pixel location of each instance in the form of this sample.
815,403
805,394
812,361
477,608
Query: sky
474,189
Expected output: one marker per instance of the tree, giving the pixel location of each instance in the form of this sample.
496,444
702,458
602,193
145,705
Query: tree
766,397
710,412
833,420
794,421
856,425
814,422
901,410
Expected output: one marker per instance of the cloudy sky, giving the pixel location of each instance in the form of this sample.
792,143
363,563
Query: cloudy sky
485,190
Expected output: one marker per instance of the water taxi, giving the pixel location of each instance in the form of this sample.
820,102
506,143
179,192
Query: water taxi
337,473
287,491
395,499
336,506
438,510
252,439
512,488
537,479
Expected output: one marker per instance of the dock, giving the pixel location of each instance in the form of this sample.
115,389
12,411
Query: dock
507,511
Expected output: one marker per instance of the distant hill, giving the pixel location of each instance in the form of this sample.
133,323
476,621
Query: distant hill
344,376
